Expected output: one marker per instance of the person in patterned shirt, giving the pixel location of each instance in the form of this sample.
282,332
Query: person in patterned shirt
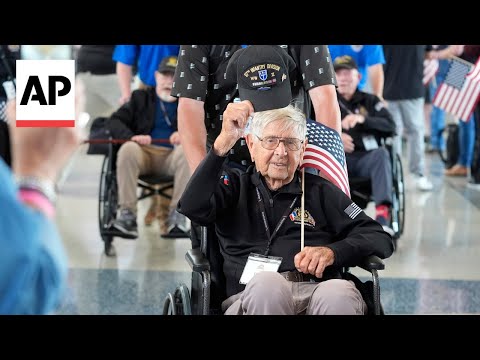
204,92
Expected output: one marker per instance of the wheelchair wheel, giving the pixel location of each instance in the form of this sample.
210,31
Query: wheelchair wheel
399,198
178,303
107,205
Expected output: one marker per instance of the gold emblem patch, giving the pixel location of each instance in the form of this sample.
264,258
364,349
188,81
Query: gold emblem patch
296,217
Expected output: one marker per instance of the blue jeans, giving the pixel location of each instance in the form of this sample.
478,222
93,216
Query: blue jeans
437,119
466,141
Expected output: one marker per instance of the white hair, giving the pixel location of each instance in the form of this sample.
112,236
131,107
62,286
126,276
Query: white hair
289,116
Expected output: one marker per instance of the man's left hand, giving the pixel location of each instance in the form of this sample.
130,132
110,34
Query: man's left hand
142,139
175,138
314,260
351,120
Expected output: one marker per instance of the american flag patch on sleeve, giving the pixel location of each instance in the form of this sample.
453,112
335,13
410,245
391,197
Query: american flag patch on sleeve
352,210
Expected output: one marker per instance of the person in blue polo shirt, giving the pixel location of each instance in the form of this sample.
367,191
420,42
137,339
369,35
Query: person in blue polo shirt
146,58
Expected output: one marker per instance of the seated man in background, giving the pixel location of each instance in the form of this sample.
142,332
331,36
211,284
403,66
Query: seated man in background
258,213
149,114
365,119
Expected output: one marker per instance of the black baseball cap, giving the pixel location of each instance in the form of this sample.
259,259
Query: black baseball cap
262,74
168,64
344,62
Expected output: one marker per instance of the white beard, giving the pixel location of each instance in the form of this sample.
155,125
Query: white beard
166,97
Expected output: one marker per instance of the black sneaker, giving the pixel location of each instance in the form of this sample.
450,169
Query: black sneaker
126,223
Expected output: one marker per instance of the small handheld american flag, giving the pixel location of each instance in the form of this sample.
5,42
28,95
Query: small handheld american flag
460,91
325,152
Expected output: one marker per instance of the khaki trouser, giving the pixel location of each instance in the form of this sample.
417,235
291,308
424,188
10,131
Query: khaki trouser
134,160
269,293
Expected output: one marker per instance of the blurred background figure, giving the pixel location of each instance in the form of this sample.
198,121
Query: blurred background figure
442,54
467,130
8,56
97,71
33,262
471,53
405,93
47,52
370,60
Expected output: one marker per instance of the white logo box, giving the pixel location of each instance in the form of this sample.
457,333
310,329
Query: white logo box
44,104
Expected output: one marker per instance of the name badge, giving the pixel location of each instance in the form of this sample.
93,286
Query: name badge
257,263
369,142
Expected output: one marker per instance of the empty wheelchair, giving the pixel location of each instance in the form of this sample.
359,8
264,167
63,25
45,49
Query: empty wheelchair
207,291
101,143
361,189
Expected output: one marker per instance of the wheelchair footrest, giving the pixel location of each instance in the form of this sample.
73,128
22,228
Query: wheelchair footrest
176,233
116,233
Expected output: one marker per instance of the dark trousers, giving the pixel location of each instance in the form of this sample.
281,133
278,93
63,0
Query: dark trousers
376,166
475,168
5,152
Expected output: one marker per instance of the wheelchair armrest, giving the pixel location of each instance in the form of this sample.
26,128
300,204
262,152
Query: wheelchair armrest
372,262
197,261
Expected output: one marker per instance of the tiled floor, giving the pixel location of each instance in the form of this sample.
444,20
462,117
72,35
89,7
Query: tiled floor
436,269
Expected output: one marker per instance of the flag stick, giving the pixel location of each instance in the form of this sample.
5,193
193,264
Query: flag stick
302,228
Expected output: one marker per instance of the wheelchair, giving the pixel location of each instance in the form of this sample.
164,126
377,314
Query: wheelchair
208,281
150,185
361,189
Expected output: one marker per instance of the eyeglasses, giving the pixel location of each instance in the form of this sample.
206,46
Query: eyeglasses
271,142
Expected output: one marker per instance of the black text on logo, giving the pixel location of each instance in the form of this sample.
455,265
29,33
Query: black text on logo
34,82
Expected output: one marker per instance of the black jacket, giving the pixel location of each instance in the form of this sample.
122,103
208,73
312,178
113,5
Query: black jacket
228,198
378,120
8,56
137,116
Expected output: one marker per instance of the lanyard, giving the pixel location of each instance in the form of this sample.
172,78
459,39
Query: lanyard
344,107
165,114
265,220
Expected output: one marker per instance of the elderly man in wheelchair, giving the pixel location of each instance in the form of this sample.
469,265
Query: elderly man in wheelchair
365,122
283,238
149,114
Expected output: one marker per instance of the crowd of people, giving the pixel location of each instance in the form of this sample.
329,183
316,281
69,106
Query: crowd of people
233,123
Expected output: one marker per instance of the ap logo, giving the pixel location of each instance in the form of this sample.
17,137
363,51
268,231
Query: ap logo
45,93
